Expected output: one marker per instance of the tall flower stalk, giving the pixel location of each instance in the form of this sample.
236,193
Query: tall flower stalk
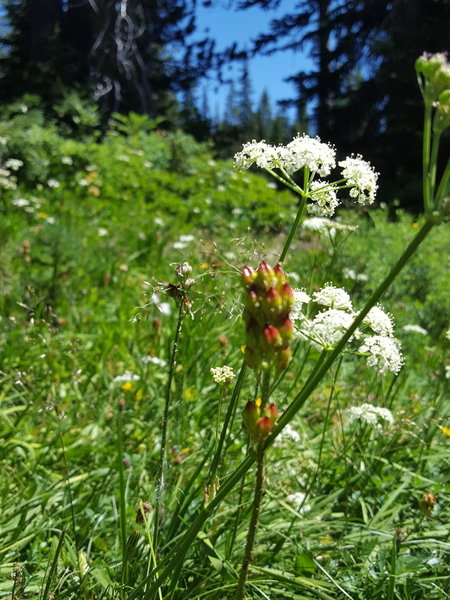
267,348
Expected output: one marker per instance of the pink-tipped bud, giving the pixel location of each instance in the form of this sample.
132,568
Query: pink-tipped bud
272,336
280,274
248,275
262,428
250,416
272,412
283,358
264,275
272,301
287,295
286,330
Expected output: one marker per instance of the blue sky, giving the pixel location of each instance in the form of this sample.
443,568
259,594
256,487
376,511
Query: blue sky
266,72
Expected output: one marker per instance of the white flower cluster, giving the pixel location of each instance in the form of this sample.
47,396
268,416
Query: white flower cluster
154,360
222,374
372,415
305,151
127,376
326,328
362,177
384,353
324,225
324,199
333,297
319,158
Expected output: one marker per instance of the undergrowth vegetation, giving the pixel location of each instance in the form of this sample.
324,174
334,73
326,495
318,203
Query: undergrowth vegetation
95,237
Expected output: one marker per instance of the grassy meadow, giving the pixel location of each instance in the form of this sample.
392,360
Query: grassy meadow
91,235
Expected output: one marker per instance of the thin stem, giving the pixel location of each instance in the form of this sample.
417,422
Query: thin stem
426,146
228,417
163,450
433,167
122,499
294,228
253,525
444,186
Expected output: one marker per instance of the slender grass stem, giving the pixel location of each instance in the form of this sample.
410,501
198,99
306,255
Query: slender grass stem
122,494
294,228
253,525
433,167
163,450
426,146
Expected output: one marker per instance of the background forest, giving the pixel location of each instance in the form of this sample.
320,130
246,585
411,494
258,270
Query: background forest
104,56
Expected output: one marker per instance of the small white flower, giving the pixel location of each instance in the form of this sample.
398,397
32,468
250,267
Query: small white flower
379,321
372,415
300,298
186,238
362,177
67,160
333,297
14,164
327,327
21,202
308,152
102,232
127,376
384,353
53,183
322,203
259,153
447,334
179,245
222,374
290,433
447,371
415,329
354,276
297,499
154,360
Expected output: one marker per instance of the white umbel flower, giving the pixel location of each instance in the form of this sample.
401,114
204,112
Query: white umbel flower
263,155
384,353
379,321
322,203
333,297
327,327
362,177
300,298
304,151
372,415
222,374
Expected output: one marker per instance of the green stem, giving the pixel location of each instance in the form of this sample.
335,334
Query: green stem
426,146
178,553
122,499
253,525
229,414
162,453
433,167
444,186
294,228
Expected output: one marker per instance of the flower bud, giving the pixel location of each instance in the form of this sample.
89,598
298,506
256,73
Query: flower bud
264,275
248,275
272,336
286,330
272,412
250,415
283,358
272,302
287,295
262,428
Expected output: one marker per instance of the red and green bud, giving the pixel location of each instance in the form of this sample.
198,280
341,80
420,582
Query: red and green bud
272,412
268,301
250,416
